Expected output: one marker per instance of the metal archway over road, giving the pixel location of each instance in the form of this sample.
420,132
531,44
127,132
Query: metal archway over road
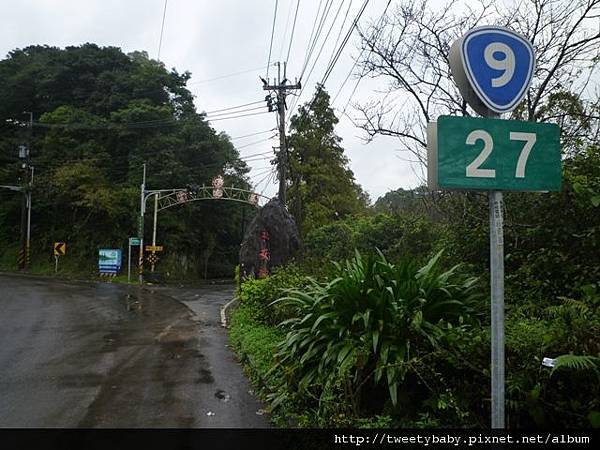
167,198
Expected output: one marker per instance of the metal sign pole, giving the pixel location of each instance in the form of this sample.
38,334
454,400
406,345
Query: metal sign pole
129,261
56,264
497,306
154,227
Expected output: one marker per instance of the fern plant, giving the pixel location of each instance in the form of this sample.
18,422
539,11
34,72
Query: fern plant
576,362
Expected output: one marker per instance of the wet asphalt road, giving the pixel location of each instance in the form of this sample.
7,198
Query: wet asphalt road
77,354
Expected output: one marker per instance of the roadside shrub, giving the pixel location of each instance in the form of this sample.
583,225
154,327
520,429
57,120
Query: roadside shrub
396,236
359,336
259,294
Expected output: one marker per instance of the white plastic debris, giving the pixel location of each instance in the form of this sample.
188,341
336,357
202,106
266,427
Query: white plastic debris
548,362
210,413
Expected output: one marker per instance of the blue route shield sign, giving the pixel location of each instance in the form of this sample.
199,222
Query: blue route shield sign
494,63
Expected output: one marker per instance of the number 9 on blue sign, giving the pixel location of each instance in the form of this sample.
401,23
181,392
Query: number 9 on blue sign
493,68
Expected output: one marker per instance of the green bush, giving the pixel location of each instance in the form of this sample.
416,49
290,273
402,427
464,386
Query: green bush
368,328
259,294
396,236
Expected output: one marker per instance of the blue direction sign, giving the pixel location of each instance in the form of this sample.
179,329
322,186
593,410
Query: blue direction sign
493,68
109,260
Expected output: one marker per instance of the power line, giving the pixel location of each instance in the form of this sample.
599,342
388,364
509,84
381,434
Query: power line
337,39
285,31
311,37
209,116
220,77
344,42
147,153
322,47
269,177
335,59
262,173
377,28
162,29
236,117
324,15
257,154
252,134
136,158
269,181
262,158
233,107
272,34
311,46
169,121
254,143
292,35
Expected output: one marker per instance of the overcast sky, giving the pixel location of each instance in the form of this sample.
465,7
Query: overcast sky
215,38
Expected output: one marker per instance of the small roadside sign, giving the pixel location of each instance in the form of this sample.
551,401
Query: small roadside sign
133,242
60,248
154,248
152,258
109,261
493,67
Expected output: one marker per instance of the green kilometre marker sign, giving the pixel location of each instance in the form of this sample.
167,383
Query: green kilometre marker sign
492,154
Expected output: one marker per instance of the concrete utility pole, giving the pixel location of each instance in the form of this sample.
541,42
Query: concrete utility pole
281,89
24,153
141,226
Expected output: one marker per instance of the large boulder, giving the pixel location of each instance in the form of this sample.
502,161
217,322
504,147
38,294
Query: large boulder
271,240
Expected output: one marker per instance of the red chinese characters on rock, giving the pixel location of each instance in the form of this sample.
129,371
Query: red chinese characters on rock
264,254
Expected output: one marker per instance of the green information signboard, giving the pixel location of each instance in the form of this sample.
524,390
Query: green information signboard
493,154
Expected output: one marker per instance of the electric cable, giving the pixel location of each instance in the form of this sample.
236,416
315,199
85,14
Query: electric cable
251,134
321,49
344,42
254,143
221,77
236,117
292,35
311,35
339,51
161,30
210,116
326,10
233,107
272,34
377,28
285,31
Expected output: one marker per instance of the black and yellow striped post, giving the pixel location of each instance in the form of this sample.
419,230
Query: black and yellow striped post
27,254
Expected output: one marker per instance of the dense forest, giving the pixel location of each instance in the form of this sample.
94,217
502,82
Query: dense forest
98,116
